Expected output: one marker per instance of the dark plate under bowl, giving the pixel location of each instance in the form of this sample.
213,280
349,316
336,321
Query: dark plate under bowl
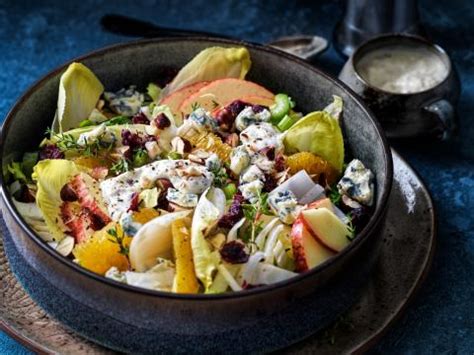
257,319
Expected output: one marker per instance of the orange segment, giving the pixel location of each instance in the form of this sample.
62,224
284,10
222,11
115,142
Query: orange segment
91,162
314,165
185,280
102,251
145,215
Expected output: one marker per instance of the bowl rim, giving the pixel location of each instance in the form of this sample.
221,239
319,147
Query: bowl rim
371,225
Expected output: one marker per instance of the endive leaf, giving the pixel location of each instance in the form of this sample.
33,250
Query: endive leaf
209,210
79,91
211,64
51,176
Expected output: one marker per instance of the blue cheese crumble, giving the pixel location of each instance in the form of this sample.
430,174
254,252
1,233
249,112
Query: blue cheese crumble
251,191
285,205
357,183
248,117
181,198
252,173
239,159
213,163
99,134
125,101
259,136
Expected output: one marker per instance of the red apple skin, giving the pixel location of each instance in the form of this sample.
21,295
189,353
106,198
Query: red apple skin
315,236
250,99
175,99
308,253
323,202
299,254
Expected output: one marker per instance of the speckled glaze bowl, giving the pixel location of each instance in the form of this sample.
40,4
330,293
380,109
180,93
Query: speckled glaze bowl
138,320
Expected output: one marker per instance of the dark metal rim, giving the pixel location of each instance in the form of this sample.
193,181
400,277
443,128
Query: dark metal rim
374,221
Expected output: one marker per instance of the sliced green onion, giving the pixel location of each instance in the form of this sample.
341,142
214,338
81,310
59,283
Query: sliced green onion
140,158
174,155
230,190
286,123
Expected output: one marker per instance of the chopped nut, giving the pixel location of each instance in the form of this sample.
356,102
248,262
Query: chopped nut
153,149
232,140
178,145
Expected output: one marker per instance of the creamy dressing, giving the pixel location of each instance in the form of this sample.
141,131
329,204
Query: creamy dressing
402,69
186,176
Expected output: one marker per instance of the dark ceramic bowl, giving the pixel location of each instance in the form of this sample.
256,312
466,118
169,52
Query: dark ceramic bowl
132,319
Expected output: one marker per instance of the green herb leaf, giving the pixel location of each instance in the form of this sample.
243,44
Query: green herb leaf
118,238
120,167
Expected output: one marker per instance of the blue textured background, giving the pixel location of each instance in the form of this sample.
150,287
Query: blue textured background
37,36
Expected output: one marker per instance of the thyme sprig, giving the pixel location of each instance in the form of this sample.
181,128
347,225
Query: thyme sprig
121,166
118,238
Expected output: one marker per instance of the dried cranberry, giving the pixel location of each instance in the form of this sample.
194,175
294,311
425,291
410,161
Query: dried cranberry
24,194
187,145
95,221
237,106
270,183
280,164
269,152
258,108
234,252
225,119
135,201
140,118
67,193
135,140
162,121
234,214
163,185
50,151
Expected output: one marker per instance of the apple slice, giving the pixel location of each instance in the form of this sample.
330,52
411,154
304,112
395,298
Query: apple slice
308,252
222,91
326,228
322,203
175,99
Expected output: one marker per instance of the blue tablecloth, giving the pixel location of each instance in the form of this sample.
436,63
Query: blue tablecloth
37,36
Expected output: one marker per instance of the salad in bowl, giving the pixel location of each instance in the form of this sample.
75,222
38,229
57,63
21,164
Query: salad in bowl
205,183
